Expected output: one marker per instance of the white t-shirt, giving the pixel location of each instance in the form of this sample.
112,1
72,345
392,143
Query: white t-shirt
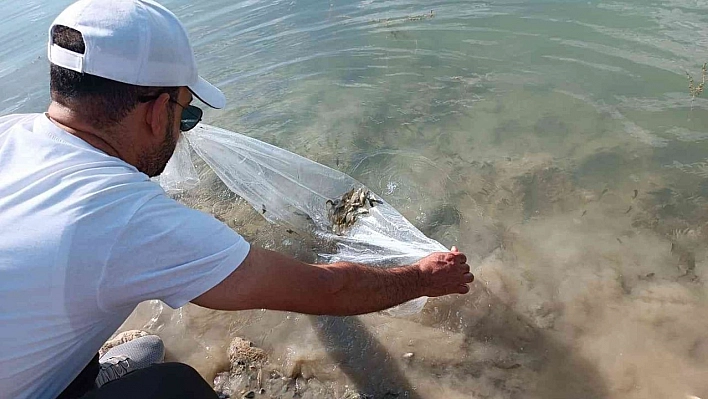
85,237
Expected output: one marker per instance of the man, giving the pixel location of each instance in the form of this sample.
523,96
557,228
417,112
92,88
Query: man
85,235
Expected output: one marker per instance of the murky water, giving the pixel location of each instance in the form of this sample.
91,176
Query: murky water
554,142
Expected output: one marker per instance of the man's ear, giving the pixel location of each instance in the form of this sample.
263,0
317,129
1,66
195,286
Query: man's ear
156,115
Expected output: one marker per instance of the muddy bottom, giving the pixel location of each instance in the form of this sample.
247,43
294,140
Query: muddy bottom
578,293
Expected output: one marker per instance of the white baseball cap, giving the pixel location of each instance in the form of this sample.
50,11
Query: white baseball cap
137,42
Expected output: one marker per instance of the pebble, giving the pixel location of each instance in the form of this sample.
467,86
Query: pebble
408,355
250,395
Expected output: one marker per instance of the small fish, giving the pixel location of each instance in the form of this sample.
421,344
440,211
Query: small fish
636,192
628,210
604,191
343,212
619,241
290,231
374,201
336,161
584,212
263,209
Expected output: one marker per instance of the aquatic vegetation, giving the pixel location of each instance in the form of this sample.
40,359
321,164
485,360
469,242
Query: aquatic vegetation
693,89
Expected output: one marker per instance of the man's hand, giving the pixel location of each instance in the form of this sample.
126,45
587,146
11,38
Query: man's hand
444,273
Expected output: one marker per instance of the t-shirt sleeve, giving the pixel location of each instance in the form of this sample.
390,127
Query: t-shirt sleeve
169,252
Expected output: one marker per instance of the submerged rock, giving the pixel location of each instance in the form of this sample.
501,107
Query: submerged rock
243,353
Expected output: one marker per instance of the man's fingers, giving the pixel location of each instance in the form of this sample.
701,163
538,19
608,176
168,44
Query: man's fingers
454,249
454,255
468,278
464,289
462,258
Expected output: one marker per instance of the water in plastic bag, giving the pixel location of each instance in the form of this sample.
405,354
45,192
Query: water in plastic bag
293,191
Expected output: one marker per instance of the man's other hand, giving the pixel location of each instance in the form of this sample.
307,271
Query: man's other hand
444,273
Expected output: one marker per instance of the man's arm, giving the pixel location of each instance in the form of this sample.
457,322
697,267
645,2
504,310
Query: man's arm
269,280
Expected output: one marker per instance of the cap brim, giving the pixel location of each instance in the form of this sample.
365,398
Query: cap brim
208,93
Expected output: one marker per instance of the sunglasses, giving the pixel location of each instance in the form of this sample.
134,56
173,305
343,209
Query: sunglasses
190,117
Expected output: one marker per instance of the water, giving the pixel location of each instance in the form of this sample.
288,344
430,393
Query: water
554,142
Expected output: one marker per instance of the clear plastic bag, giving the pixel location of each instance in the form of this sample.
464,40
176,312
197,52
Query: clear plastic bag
179,174
293,191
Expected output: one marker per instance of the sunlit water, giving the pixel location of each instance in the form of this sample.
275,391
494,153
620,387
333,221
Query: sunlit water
554,142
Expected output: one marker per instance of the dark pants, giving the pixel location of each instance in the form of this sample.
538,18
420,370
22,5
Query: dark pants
159,381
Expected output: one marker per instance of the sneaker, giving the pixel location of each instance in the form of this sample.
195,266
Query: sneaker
133,355
114,368
121,338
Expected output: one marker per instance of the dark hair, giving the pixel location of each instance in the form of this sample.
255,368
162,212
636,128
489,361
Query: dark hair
103,102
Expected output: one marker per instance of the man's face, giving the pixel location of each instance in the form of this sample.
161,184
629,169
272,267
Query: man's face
154,160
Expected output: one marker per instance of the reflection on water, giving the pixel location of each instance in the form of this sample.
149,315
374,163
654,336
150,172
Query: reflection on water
555,142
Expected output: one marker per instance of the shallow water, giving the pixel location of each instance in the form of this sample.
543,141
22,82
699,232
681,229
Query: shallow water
554,142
